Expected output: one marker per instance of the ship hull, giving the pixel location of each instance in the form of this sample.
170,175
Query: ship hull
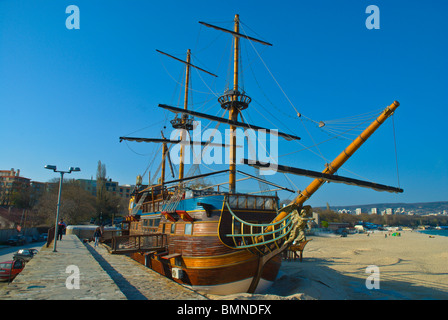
232,287
209,278
196,250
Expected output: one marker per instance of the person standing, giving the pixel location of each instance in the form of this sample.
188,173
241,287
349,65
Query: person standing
97,235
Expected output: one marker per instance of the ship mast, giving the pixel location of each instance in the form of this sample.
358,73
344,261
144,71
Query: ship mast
184,116
233,100
164,152
184,123
233,111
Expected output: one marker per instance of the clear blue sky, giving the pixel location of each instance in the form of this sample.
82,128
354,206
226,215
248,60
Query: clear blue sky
67,95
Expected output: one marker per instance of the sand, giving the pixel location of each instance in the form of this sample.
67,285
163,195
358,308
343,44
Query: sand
412,266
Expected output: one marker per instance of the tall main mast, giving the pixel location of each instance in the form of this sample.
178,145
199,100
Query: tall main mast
233,111
233,100
184,116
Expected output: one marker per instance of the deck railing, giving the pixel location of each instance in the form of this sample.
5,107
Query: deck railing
135,243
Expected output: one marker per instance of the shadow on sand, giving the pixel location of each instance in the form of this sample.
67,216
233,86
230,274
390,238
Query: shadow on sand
315,279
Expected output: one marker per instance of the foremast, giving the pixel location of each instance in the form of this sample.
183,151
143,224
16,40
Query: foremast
185,123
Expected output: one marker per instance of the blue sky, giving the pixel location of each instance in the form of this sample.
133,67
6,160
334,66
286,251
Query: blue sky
67,95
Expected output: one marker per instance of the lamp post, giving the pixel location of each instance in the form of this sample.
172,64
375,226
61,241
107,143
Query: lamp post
50,167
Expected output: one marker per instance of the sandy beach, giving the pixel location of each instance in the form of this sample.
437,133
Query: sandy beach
412,266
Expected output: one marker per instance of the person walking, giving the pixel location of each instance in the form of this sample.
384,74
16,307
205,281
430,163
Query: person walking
61,229
97,235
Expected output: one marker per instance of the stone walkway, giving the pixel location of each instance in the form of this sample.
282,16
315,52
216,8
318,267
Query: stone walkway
102,276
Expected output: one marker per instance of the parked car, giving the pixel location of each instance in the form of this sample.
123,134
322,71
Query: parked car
25,254
16,240
10,269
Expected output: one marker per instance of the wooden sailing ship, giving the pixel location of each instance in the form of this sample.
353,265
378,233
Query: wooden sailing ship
218,240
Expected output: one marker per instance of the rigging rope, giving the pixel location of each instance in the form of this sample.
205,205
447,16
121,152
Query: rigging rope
178,82
284,93
396,154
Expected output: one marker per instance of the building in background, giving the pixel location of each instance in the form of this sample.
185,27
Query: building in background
125,191
122,191
10,183
88,185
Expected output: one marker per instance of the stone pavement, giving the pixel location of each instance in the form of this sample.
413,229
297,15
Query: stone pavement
102,276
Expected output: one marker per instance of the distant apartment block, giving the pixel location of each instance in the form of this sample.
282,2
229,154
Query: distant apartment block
11,182
37,190
88,185
123,191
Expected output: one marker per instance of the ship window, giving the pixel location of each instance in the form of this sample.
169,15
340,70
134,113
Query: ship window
260,203
151,222
156,222
241,202
233,201
163,228
188,227
251,202
173,228
236,227
269,204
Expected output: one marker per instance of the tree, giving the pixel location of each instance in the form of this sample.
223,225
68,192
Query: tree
107,203
100,187
21,198
77,204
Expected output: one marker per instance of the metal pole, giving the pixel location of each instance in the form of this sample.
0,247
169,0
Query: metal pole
57,212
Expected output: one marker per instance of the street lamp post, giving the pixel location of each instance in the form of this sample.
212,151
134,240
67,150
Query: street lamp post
50,167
